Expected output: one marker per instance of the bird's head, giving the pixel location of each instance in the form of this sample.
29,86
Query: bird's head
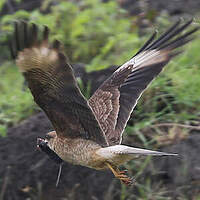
47,146
50,139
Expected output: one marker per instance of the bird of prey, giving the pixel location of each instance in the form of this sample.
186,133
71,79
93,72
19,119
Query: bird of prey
89,132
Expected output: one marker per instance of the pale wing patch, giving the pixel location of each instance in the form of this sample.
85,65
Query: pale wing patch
36,57
145,58
151,57
141,70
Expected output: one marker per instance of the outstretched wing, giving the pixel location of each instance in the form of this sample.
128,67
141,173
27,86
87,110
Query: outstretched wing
116,98
52,83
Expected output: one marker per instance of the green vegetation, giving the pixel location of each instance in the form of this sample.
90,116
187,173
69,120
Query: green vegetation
174,95
16,102
93,33
172,98
101,35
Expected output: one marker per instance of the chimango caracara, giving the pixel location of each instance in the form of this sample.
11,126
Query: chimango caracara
89,133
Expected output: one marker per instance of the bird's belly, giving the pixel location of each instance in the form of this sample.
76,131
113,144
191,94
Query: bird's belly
78,152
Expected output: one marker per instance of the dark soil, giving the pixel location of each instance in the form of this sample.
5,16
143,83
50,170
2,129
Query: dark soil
172,7
183,172
27,172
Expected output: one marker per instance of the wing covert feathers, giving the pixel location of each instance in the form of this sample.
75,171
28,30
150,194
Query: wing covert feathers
52,83
128,82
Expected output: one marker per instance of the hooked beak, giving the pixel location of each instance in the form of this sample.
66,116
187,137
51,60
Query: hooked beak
40,143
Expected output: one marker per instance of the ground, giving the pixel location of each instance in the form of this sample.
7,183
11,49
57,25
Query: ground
27,172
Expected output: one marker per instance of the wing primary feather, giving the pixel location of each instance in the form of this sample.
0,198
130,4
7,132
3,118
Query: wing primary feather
174,30
16,33
145,66
180,41
56,44
11,47
147,43
21,32
169,30
12,51
23,36
34,30
176,53
24,24
29,36
53,85
165,34
45,33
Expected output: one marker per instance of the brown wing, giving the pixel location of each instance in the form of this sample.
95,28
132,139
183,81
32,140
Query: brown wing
116,98
52,83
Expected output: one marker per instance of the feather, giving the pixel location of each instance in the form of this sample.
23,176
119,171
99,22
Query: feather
53,85
130,80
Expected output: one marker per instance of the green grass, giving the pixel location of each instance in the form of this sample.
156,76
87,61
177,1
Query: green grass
101,35
95,33
16,102
176,90
174,95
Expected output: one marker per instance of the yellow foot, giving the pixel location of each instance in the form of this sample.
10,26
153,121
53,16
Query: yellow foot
124,178
121,175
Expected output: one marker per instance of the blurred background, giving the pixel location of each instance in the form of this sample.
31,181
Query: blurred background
98,36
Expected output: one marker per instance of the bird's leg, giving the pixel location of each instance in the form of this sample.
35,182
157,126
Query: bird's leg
121,175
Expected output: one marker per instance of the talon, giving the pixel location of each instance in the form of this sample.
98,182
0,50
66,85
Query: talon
124,178
127,180
123,172
121,175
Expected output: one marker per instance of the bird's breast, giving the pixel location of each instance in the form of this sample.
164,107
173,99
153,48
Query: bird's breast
77,151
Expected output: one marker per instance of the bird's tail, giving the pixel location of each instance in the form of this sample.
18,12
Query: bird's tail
139,151
122,153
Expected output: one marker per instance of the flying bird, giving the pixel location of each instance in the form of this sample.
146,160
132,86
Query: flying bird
89,132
